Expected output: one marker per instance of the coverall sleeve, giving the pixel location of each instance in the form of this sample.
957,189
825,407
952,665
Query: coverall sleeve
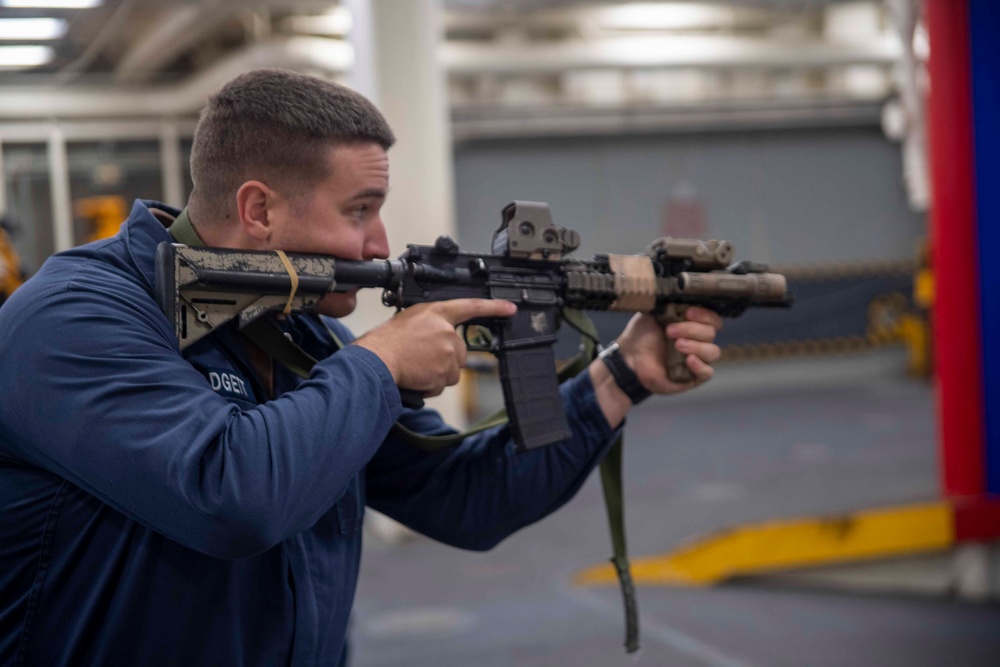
475,494
98,394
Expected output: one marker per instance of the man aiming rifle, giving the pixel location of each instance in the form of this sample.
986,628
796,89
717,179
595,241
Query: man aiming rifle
204,507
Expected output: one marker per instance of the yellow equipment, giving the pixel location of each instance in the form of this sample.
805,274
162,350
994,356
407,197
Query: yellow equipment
105,212
10,267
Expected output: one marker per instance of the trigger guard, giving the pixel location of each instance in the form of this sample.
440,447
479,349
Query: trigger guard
475,346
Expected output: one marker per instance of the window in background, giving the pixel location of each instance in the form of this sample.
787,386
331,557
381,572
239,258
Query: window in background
105,178
29,202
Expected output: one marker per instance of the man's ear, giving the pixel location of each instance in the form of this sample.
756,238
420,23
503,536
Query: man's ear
253,201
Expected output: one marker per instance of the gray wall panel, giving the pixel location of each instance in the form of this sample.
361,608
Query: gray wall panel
790,197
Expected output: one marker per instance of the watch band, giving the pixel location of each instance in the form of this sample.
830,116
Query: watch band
625,377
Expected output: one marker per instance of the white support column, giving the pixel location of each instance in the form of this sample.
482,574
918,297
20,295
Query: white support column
62,216
364,79
362,76
412,95
171,170
407,82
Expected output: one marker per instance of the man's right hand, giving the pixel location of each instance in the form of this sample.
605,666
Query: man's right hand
419,345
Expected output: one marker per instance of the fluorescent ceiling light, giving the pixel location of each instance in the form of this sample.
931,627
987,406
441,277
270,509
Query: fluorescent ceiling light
664,16
337,22
30,29
52,4
19,57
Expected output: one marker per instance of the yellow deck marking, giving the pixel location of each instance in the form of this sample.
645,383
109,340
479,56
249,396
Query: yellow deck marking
781,545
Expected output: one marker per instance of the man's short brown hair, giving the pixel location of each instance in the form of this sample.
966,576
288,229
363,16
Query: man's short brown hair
275,126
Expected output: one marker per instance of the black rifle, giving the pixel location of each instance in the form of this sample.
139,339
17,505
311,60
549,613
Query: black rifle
200,289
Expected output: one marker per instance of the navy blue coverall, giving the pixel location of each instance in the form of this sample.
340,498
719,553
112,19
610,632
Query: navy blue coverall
157,508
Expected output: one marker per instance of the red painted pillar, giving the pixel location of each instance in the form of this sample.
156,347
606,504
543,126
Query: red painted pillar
956,325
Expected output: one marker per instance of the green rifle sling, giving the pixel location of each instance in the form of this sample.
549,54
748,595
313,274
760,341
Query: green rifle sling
612,486
183,231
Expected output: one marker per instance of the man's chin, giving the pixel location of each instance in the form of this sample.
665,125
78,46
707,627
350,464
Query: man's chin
337,305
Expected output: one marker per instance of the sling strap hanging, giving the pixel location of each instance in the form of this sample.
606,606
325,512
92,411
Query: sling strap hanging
265,334
612,487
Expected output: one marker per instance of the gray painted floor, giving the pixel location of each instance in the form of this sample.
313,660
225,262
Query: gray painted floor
761,441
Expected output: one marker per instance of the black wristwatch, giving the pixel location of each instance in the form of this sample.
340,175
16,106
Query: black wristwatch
625,377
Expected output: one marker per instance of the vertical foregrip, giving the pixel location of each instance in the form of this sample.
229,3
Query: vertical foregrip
531,394
677,368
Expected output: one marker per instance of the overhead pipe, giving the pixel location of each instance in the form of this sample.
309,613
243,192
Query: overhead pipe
666,52
183,29
332,56
337,57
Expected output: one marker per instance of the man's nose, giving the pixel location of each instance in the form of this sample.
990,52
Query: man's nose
377,243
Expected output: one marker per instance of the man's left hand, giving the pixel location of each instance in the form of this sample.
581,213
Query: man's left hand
644,343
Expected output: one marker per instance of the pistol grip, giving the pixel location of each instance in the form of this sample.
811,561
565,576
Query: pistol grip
677,368
411,398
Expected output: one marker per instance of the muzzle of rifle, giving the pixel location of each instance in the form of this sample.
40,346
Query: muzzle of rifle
753,287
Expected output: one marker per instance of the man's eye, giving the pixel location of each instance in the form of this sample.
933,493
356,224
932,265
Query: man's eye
359,211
